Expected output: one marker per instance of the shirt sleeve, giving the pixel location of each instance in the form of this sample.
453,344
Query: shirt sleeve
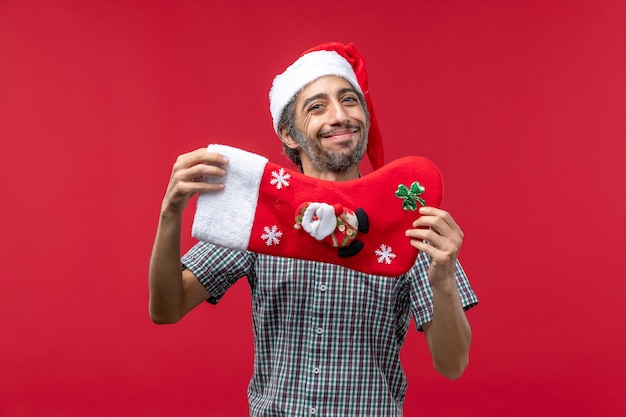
421,293
217,268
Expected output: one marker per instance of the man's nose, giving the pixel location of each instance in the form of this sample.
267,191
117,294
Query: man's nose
338,114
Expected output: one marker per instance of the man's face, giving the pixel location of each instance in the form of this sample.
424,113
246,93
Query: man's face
332,125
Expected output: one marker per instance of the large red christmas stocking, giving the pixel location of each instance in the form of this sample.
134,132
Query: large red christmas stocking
359,224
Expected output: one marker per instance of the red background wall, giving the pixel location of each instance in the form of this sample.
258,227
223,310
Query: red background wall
521,104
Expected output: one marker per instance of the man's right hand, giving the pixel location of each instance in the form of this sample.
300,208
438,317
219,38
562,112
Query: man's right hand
173,293
186,179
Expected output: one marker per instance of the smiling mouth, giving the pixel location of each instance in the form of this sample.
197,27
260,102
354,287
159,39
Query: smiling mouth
339,133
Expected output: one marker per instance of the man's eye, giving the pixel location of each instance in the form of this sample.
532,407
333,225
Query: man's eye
350,99
315,107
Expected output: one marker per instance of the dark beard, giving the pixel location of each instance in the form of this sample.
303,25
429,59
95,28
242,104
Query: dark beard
326,161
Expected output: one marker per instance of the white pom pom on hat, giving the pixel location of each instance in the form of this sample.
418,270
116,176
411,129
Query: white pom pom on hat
331,58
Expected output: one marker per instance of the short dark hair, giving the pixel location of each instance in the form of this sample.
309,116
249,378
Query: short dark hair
288,120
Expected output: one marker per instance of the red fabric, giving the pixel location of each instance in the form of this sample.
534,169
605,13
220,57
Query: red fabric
374,193
375,148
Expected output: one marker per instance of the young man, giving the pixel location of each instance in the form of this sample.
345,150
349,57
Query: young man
327,338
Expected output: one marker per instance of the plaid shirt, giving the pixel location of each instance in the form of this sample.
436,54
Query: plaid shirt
326,339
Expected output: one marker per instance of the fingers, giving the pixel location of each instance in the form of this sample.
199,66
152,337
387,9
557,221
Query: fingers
438,229
194,165
194,172
200,159
440,221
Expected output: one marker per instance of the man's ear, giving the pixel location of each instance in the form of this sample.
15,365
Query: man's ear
287,139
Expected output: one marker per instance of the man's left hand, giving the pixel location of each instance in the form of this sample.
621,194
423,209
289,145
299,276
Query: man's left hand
439,236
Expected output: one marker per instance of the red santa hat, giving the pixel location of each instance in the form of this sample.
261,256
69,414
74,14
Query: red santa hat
331,58
359,224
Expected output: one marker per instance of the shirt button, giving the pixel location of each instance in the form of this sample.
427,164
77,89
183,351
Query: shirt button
316,371
313,411
319,330
322,287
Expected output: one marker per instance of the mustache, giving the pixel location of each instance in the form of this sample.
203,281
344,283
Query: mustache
346,126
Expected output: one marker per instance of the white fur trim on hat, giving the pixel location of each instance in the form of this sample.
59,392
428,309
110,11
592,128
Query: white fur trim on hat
304,71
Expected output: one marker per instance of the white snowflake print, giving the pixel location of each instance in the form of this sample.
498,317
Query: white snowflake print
385,254
271,236
280,179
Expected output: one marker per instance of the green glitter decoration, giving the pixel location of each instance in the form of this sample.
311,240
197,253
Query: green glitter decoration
411,195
